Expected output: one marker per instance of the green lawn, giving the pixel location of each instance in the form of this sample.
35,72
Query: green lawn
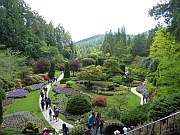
30,104
57,73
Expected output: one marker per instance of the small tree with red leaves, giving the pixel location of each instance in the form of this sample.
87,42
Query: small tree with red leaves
100,101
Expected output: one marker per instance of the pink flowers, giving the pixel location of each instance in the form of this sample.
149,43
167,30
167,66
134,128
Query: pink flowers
100,101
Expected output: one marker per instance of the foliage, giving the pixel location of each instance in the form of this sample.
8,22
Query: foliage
69,84
51,72
30,127
109,130
64,80
110,87
90,73
100,101
29,88
88,61
169,12
66,70
113,112
136,116
1,110
2,93
42,65
10,131
78,130
78,105
164,106
44,77
74,65
11,63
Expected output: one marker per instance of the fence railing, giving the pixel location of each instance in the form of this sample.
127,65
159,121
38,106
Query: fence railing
169,125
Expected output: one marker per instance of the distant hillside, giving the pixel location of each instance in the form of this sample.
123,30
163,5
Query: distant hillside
89,45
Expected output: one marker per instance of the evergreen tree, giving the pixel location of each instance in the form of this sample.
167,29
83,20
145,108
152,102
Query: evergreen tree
66,70
51,72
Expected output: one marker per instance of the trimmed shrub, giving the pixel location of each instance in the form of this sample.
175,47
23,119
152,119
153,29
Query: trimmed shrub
66,70
100,101
29,88
64,80
136,116
30,127
51,72
69,84
110,87
78,105
165,106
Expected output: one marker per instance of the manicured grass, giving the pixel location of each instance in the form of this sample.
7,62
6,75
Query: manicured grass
57,73
132,100
30,104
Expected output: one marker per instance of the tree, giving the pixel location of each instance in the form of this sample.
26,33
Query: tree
51,72
74,65
66,70
169,11
163,44
42,65
90,73
88,62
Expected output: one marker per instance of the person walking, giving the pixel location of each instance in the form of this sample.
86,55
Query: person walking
89,130
56,114
42,104
92,122
65,129
50,114
47,102
99,123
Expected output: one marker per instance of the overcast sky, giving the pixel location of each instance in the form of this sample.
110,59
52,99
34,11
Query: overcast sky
86,18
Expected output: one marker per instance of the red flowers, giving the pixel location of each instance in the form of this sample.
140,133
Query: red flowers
100,101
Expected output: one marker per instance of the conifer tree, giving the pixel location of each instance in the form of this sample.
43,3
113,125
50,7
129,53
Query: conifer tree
66,70
51,72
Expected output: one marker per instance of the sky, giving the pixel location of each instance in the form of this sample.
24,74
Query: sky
86,18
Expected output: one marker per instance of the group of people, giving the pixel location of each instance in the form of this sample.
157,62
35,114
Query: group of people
45,101
65,130
145,97
94,123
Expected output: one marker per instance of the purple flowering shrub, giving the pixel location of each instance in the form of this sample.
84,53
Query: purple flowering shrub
38,86
57,88
18,94
141,87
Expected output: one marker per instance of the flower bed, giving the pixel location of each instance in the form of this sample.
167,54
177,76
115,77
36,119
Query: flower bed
38,86
57,89
18,94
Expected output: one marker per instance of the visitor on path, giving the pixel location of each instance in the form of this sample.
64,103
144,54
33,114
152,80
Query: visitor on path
89,130
47,102
92,122
65,129
99,123
56,114
42,94
42,104
50,114
45,132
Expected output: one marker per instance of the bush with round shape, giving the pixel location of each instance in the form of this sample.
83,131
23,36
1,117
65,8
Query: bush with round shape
78,105
30,127
29,88
69,84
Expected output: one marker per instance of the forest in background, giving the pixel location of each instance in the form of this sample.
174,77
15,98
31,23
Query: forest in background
25,36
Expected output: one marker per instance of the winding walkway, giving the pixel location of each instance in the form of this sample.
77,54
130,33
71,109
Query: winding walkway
56,125
133,90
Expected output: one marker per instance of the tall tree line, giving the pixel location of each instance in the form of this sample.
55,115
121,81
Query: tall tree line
25,30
